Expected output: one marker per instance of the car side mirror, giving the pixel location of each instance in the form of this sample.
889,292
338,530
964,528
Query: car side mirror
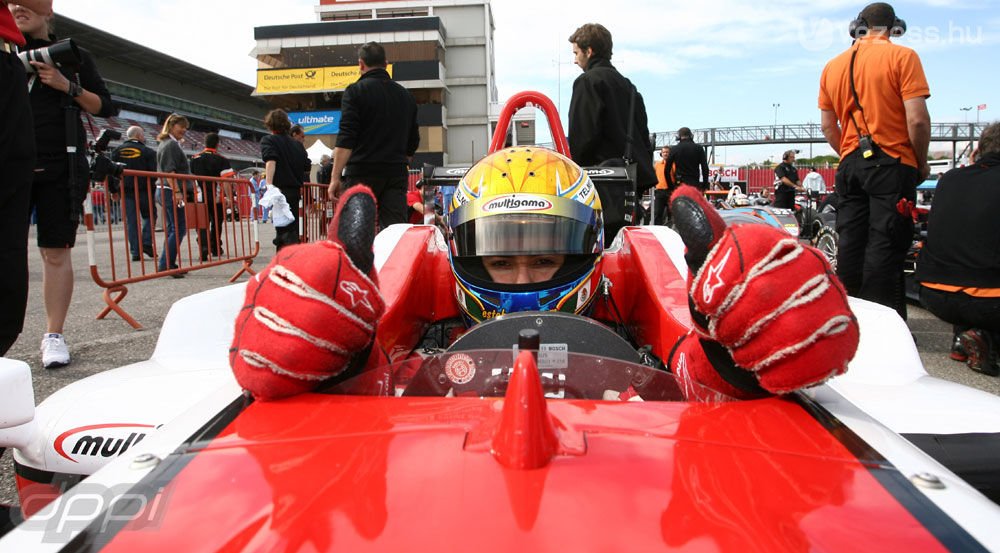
17,403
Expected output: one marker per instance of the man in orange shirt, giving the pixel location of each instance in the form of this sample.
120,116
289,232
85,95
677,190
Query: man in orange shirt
661,194
874,114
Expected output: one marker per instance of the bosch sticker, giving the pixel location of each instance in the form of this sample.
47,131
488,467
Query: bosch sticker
460,368
550,356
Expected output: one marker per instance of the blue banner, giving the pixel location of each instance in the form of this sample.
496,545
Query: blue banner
317,122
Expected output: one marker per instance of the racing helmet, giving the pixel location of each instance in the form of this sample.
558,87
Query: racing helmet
525,201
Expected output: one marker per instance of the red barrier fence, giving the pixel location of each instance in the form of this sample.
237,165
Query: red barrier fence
760,179
216,232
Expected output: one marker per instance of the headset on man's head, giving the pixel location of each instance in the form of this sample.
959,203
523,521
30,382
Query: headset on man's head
860,28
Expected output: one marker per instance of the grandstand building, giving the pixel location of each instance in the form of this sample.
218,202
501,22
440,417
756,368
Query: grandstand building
148,85
441,50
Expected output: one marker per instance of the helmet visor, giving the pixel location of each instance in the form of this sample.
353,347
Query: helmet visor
525,224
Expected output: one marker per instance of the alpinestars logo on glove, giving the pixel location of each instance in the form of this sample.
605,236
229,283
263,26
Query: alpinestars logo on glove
351,288
713,280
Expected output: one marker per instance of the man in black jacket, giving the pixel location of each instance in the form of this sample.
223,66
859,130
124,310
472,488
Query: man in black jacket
378,137
137,191
325,170
959,265
603,98
689,158
209,163
17,164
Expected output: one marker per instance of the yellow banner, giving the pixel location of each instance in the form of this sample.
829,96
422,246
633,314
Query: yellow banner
307,79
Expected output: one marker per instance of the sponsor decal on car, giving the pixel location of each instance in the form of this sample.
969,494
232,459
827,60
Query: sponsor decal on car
516,202
601,172
460,368
99,440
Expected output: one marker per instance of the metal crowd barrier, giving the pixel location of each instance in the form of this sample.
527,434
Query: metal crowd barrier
317,209
216,206
316,212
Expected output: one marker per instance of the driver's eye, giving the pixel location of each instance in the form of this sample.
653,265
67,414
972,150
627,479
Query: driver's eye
544,262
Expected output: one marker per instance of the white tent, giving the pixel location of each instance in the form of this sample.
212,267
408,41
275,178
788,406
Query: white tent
317,151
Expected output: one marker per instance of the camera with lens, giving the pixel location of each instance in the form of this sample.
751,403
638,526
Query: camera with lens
61,54
101,166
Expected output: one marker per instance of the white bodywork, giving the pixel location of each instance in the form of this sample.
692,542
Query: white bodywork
78,429
885,392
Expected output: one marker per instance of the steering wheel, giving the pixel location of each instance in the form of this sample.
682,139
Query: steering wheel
478,360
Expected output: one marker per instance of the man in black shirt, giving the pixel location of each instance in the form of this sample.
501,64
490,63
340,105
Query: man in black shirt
788,181
208,163
137,191
689,158
378,137
959,265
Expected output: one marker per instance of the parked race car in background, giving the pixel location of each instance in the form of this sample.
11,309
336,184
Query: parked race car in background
584,445
925,193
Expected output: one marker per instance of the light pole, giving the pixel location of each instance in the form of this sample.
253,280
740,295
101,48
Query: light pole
559,63
774,130
967,110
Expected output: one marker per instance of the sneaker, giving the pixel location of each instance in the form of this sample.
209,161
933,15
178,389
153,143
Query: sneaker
958,351
55,353
979,348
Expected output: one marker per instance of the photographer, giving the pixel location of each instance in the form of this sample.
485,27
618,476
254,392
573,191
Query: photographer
17,160
57,95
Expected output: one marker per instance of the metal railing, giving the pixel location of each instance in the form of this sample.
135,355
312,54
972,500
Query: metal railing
226,233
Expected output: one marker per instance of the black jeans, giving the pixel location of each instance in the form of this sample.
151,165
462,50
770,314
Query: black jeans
874,236
209,240
390,195
784,197
661,206
289,234
962,310
17,162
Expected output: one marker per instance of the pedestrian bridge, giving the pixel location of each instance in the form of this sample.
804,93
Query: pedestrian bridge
959,134
802,134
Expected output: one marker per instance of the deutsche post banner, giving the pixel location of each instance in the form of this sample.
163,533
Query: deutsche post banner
307,79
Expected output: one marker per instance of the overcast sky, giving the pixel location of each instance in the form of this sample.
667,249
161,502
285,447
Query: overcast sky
697,64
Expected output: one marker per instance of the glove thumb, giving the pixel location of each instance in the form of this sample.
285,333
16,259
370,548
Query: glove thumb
353,226
698,223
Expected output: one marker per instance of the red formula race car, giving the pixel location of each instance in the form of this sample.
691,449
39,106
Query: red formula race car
532,431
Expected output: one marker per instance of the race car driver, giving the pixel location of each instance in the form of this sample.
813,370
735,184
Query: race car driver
527,235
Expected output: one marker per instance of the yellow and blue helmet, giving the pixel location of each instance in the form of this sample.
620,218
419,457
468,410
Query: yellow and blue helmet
525,201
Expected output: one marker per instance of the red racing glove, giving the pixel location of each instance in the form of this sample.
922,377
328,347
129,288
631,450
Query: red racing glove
770,317
313,309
